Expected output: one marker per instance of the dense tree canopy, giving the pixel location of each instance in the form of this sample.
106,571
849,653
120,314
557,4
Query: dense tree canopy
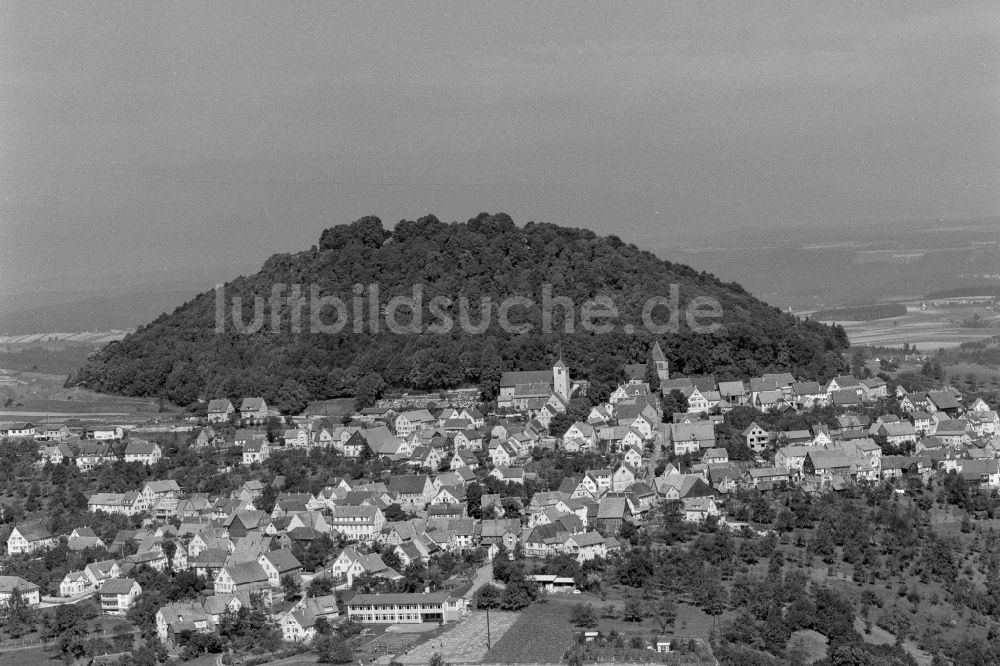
182,356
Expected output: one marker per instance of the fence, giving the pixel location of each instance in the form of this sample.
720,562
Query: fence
20,644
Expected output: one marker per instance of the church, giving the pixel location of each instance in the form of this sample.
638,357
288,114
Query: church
532,390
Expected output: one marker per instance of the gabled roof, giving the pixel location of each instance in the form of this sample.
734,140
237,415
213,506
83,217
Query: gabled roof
408,484
9,583
252,404
728,389
943,400
612,507
585,539
846,381
845,397
974,469
806,388
417,416
117,586
780,379
164,486
245,573
33,531
283,560
219,405
683,432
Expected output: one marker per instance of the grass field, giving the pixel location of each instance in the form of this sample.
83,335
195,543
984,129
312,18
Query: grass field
32,394
35,655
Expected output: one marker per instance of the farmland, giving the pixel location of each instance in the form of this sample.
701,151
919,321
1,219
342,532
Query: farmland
936,327
542,633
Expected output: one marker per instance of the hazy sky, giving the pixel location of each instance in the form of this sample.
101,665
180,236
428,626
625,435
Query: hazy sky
148,136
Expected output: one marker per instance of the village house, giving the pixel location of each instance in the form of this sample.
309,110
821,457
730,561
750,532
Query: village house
122,504
463,458
691,437
155,490
106,433
921,421
29,592
898,433
943,401
299,624
585,546
509,475
242,577
350,564
28,538
220,410
501,453
981,473
406,423
99,572
757,438
357,523
413,491
277,564
93,454
74,583
699,509
56,432
56,454
118,595
257,450
18,430
253,410
715,457
792,458
173,619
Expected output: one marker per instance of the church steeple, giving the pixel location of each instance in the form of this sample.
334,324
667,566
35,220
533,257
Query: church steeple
660,360
560,379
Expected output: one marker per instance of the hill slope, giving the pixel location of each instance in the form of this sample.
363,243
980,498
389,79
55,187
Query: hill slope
181,356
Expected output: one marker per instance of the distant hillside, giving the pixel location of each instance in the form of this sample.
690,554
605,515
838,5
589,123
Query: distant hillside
982,291
180,355
861,312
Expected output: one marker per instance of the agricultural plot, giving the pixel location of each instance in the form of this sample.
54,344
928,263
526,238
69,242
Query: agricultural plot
542,634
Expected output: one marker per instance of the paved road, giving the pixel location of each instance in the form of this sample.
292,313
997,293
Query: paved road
484,574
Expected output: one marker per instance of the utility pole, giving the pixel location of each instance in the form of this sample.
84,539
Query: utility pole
488,641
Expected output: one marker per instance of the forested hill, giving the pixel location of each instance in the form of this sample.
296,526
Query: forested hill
182,356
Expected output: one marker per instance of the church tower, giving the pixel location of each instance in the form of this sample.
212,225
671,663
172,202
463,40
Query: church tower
662,368
560,380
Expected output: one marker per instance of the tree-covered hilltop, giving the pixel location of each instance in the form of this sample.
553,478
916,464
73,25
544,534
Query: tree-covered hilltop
181,356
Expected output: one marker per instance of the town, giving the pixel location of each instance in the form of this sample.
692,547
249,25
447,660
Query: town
245,531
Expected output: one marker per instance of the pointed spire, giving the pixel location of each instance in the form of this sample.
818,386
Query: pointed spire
657,353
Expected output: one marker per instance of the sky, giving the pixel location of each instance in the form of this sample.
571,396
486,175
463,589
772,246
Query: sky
144,139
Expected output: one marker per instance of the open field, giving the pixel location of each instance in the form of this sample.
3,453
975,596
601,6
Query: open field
33,655
926,331
32,395
542,634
